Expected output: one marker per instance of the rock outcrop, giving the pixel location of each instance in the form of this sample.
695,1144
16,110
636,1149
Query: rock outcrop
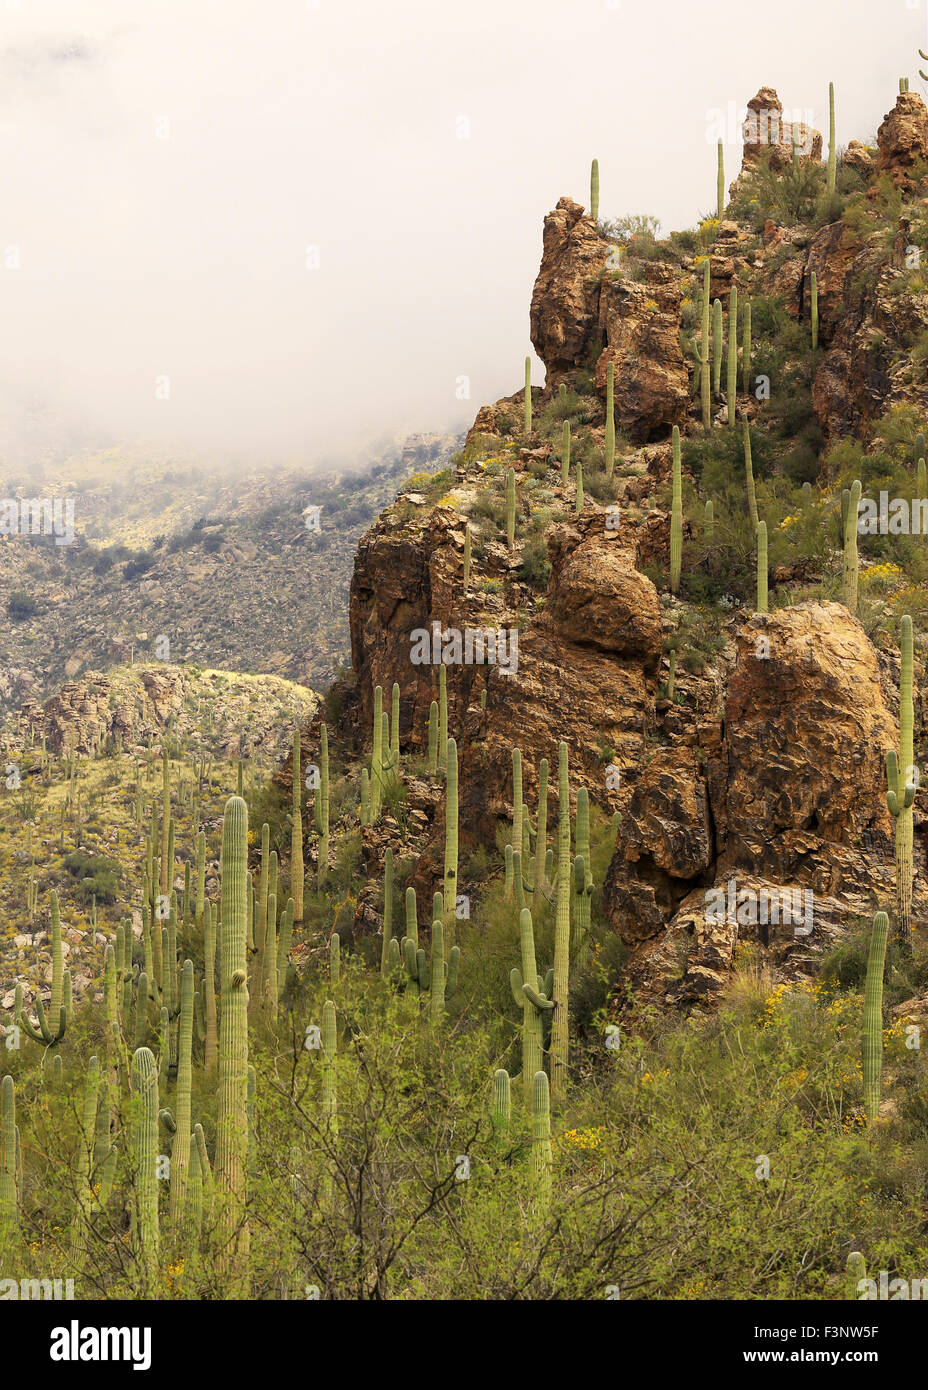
903,139
565,301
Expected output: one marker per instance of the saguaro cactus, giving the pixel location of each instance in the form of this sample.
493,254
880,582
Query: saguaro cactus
296,834
749,476
323,851
541,1158
385,961
676,515
232,1122
851,561
561,982
433,738
873,1017
145,1158
329,1066
762,567
443,717
565,453
511,508
732,364
610,419
902,781
854,1271
594,190
451,840
704,361
9,1200
832,147
376,781
528,395
532,993
578,504
180,1149
718,347
502,1099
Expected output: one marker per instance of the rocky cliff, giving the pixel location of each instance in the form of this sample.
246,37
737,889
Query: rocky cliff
766,765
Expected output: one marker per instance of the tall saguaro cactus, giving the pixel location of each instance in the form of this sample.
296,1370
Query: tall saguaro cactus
762,567
610,419
732,364
541,1157
533,995
180,1149
832,147
594,190
296,834
9,1200
705,385
451,841
749,476
901,778
323,851
232,1122
873,1017
376,780
676,515
559,1024
851,560
146,1233
718,347
565,453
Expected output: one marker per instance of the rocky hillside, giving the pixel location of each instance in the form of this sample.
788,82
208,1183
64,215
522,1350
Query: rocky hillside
765,763
223,570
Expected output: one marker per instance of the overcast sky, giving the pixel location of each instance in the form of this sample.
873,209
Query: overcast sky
167,164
